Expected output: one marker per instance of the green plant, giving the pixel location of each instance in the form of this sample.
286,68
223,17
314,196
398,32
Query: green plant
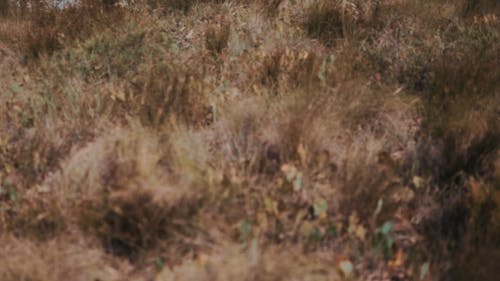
383,239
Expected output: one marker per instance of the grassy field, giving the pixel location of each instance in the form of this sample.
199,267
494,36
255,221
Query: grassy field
250,140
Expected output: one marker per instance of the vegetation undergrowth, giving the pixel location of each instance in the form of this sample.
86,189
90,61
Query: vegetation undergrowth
250,140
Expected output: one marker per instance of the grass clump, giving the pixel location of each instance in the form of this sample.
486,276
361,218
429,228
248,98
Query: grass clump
25,259
332,21
167,93
51,29
179,5
326,21
134,224
216,39
471,7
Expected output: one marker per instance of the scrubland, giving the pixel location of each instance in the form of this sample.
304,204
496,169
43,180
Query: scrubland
250,140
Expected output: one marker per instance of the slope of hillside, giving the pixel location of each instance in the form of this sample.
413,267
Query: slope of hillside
250,140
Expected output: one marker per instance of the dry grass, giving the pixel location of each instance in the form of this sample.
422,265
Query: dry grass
59,259
253,140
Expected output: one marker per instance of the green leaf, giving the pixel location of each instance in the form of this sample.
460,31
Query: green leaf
331,231
424,269
386,228
321,76
320,207
384,240
159,262
16,88
246,229
346,267
316,235
330,59
12,194
297,183
174,47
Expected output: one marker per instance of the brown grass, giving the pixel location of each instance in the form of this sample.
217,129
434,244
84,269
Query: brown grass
253,140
